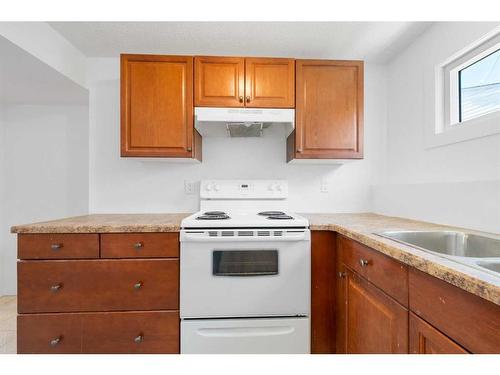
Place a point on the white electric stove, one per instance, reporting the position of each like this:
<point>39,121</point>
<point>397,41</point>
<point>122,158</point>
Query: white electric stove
<point>245,271</point>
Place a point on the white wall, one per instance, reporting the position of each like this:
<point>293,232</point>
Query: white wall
<point>44,174</point>
<point>456,184</point>
<point>128,185</point>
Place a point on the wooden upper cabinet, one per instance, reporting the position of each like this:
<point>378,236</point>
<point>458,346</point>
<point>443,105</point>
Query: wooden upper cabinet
<point>219,81</point>
<point>269,83</point>
<point>329,110</point>
<point>157,106</point>
<point>244,82</point>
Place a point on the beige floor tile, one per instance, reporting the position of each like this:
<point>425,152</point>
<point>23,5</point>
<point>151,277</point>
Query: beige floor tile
<point>8,342</point>
<point>8,321</point>
<point>7,303</point>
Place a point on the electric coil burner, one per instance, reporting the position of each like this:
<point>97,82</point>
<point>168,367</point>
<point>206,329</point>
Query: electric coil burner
<point>245,271</point>
<point>213,215</point>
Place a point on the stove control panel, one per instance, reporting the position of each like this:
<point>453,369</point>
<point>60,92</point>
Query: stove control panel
<point>244,189</point>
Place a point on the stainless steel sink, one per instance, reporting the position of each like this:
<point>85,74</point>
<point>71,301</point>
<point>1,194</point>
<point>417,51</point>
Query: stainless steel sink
<point>493,266</point>
<point>449,243</point>
<point>470,249</point>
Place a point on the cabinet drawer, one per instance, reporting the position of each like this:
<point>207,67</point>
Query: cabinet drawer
<point>57,246</point>
<point>140,245</point>
<point>98,285</point>
<point>388,274</point>
<point>118,332</point>
<point>469,320</point>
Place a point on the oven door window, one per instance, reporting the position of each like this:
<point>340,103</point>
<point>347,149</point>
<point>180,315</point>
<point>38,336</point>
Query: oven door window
<point>245,262</point>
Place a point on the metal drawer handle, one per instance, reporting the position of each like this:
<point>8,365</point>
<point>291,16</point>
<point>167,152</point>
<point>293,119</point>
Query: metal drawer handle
<point>342,275</point>
<point>138,245</point>
<point>364,262</point>
<point>139,339</point>
<point>56,287</point>
<point>138,285</point>
<point>55,341</point>
<point>56,246</point>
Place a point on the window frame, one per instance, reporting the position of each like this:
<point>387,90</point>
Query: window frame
<point>447,128</point>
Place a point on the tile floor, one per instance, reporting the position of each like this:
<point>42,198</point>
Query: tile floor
<point>8,312</point>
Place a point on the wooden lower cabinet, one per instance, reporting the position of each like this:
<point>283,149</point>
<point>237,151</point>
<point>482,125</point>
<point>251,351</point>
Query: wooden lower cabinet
<point>116,332</point>
<point>374,322</point>
<point>425,339</point>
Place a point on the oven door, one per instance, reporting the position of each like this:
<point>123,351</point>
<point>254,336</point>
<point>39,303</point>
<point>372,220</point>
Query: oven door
<point>244,276</point>
<point>245,336</point>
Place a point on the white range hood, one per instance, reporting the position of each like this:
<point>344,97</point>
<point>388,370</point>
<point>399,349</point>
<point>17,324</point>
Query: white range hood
<point>241,122</point>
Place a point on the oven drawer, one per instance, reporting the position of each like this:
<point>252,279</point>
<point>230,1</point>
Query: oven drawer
<point>97,285</point>
<point>140,245</point>
<point>245,336</point>
<point>116,332</point>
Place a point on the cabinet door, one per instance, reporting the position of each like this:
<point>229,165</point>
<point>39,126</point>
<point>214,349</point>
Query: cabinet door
<point>425,339</point>
<point>329,109</point>
<point>269,83</point>
<point>156,106</point>
<point>219,81</point>
<point>375,323</point>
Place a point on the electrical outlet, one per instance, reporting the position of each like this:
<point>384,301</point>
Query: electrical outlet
<point>323,186</point>
<point>189,187</point>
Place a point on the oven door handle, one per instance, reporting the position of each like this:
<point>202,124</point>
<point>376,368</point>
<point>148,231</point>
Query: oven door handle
<point>245,331</point>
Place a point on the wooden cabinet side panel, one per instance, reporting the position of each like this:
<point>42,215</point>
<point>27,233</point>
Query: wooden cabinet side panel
<point>322,292</point>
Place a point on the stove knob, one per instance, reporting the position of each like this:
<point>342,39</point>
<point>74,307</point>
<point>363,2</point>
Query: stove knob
<point>271,187</point>
<point>208,187</point>
<point>216,187</point>
<point>278,187</point>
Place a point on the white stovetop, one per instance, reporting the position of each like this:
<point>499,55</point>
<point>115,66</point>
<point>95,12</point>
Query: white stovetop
<point>244,219</point>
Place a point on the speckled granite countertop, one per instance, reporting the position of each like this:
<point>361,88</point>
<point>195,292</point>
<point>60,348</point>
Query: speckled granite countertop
<point>107,223</point>
<point>359,226</point>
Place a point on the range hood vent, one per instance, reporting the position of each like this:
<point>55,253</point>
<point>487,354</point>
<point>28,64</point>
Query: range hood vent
<point>241,122</point>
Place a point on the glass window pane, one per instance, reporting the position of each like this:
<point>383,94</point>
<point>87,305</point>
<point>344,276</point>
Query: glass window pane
<point>480,87</point>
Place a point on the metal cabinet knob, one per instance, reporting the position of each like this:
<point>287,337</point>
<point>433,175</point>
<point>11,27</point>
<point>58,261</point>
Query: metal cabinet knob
<point>56,287</point>
<point>138,285</point>
<point>189,149</point>
<point>138,339</point>
<point>342,275</point>
<point>299,150</point>
<point>241,99</point>
<point>363,262</point>
<point>56,246</point>
<point>248,99</point>
<point>55,341</point>
<point>138,245</point>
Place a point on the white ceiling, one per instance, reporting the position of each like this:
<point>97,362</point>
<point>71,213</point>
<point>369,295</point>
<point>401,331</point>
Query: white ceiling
<point>376,42</point>
<point>26,80</point>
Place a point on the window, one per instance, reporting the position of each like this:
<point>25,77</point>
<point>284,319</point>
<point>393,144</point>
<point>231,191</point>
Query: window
<point>480,87</point>
<point>467,89</point>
